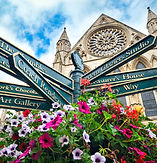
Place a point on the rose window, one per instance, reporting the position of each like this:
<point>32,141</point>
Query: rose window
<point>106,42</point>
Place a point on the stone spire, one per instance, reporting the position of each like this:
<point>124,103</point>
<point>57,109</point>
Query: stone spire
<point>63,43</point>
<point>64,35</point>
<point>63,47</point>
<point>152,22</point>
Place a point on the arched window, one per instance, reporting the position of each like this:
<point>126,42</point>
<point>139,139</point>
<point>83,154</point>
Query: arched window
<point>148,97</point>
<point>123,98</point>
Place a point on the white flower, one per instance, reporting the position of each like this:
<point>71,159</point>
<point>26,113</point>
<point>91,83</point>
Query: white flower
<point>77,154</point>
<point>22,132</point>
<point>43,128</point>
<point>20,118</point>
<point>68,108</point>
<point>97,157</point>
<point>60,113</point>
<point>91,101</point>
<point>122,110</point>
<point>55,105</point>
<point>64,140</point>
<point>45,116</point>
<point>151,134</point>
<point>14,122</point>
<point>73,129</point>
<point>86,137</point>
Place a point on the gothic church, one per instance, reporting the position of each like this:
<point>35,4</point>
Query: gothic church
<point>104,39</point>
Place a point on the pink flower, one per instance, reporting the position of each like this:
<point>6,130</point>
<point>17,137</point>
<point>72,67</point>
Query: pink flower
<point>127,132</point>
<point>32,143</point>
<point>46,141</point>
<point>76,121</point>
<point>117,128</point>
<point>150,161</point>
<point>16,161</point>
<point>102,108</point>
<point>133,126</point>
<point>35,155</point>
<point>54,123</point>
<point>25,153</point>
<point>83,107</point>
<point>138,151</point>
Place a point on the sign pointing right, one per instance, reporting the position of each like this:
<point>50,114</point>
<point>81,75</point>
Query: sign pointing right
<point>120,59</point>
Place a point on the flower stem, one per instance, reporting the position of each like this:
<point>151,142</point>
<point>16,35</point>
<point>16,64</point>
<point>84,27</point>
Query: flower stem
<point>123,123</point>
<point>98,127</point>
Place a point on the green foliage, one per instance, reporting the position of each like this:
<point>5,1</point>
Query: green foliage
<point>111,132</point>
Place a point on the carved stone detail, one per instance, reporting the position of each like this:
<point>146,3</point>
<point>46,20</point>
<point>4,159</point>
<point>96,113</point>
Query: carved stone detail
<point>106,42</point>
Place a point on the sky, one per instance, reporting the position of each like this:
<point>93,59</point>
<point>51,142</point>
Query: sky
<point>36,25</point>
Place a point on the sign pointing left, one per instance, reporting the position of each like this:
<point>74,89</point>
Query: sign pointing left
<point>37,81</point>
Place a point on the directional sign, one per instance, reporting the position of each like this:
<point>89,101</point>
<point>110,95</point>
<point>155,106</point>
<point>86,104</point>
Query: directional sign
<point>48,72</point>
<point>134,86</point>
<point>18,90</point>
<point>38,82</point>
<point>120,59</point>
<point>16,102</point>
<point>5,65</point>
<point>122,77</point>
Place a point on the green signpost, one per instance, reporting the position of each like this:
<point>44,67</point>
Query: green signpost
<point>9,49</point>
<point>120,59</point>
<point>132,86</point>
<point>48,86</point>
<point>21,102</point>
<point>118,78</point>
<point>37,81</point>
<point>18,90</point>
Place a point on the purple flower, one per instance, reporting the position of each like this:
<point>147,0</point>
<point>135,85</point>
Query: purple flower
<point>55,105</point>
<point>86,137</point>
<point>60,113</point>
<point>20,118</point>
<point>44,116</point>
<point>77,154</point>
<point>64,140</point>
<point>151,134</point>
<point>73,129</point>
<point>91,101</point>
<point>43,128</point>
<point>68,107</point>
<point>97,157</point>
<point>14,122</point>
<point>22,132</point>
<point>12,147</point>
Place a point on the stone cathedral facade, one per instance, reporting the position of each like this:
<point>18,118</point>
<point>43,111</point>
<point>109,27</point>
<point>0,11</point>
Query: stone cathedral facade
<point>104,39</point>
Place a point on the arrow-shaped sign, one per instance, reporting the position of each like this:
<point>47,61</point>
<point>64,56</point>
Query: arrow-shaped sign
<point>51,92</point>
<point>123,77</point>
<point>18,90</point>
<point>47,71</point>
<point>120,59</point>
<point>133,87</point>
<point>21,102</point>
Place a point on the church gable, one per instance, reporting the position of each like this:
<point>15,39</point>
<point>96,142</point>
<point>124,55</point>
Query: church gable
<point>105,38</point>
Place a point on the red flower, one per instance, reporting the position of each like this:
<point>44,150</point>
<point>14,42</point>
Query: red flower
<point>15,137</point>
<point>35,155</point>
<point>107,87</point>
<point>123,161</point>
<point>26,113</point>
<point>46,141</point>
<point>23,146</point>
<point>19,125</point>
<point>83,107</point>
<point>76,121</point>
<point>132,113</point>
<point>101,109</point>
<point>116,106</point>
<point>127,132</point>
<point>54,123</point>
<point>2,146</point>
<point>85,82</point>
<point>114,116</point>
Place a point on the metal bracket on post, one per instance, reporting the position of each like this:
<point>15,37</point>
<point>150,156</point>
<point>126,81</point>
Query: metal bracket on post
<point>77,74</point>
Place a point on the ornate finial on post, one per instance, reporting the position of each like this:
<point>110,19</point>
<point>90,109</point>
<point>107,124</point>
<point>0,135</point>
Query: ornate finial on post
<point>77,73</point>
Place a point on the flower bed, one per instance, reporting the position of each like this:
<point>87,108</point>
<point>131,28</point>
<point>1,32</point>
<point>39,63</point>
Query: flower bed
<point>95,129</point>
